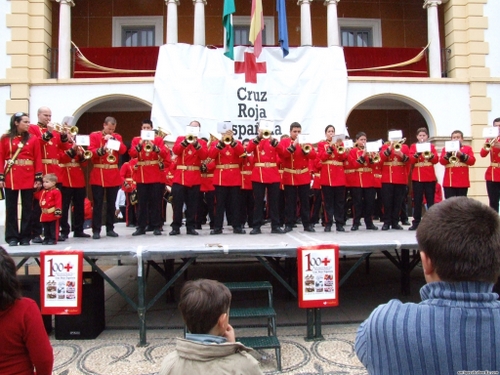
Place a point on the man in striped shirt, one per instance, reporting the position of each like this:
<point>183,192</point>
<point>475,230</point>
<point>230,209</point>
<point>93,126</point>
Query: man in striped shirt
<point>456,327</point>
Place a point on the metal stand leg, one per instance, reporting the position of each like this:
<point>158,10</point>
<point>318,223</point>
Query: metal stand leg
<point>314,325</point>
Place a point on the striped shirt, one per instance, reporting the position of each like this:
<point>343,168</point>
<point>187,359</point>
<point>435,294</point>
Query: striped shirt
<point>455,328</point>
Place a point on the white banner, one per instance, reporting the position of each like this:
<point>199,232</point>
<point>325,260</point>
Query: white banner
<point>309,86</point>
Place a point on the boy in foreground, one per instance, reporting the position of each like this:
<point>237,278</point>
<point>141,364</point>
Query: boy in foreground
<point>210,347</point>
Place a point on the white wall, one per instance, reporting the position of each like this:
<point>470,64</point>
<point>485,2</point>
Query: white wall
<point>492,36</point>
<point>5,36</point>
<point>494,94</point>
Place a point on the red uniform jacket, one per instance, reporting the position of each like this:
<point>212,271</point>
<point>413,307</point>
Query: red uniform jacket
<point>150,165</point>
<point>332,165</point>
<point>104,173</point>
<point>362,168</point>
<point>457,174</point>
<point>295,163</point>
<point>127,176</point>
<point>189,159</point>
<point>266,161</point>
<point>71,170</point>
<point>207,177</point>
<point>50,146</point>
<point>51,204</point>
<point>423,169</point>
<point>28,163</point>
<point>493,171</point>
<point>377,175</point>
<point>315,169</point>
<point>227,163</point>
<point>394,168</point>
<point>246,172</point>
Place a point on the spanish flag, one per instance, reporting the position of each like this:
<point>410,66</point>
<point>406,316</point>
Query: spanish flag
<point>256,27</point>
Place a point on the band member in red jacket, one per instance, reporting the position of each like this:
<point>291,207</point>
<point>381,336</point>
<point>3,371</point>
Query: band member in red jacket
<point>296,177</point>
<point>105,176</point>
<point>206,201</point>
<point>265,176</point>
<point>362,189</point>
<point>394,156</point>
<point>73,190</point>
<point>492,174</point>
<point>423,176</point>
<point>51,143</point>
<point>333,179</point>
<point>152,157</point>
<point>51,204</point>
<point>187,180</point>
<point>246,192</point>
<point>456,175</point>
<point>130,189</point>
<point>227,154</point>
<point>20,157</point>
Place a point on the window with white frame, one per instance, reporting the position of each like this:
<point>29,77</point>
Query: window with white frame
<point>360,32</point>
<point>137,31</point>
<point>241,26</point>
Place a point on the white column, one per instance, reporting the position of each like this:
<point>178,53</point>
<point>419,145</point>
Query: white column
<point>199,22</point>
<point>305,22</point>
<point>332,22</point>
<point>172,36</point>
<point>433,38</point>
<point>64,53</point>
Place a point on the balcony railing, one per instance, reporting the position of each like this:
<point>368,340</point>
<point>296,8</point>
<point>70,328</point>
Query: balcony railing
<point>141,62</point>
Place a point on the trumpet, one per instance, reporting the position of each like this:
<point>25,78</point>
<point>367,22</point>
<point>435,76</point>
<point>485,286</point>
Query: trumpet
<point>427,154</point>
<point>266,133</point>
<point>375,157</point>
<point>162,132</point>
<point>453,158</point>
<point>86,153</point>
<point>490,143</point>
<point>397,146</point>
<point>227,139</point>
<point>340,150</point>
<point>190,138</point>
<point>306,148</point>
<point>73,130</point>
<point>110,158</point>
<point>148,147</point>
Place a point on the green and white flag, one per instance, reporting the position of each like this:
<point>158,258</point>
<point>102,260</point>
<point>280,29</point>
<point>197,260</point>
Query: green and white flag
<point>227,21</point>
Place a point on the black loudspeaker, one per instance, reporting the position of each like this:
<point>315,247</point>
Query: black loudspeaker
<point>91,322</point>
<point>30,288</point>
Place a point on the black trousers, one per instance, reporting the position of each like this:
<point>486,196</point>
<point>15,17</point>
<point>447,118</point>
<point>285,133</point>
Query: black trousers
<point>227,197</point>
<point>49,230</point>
<point>185,194</point>
<point>455,192</point>
<point>36,226</point>
<point>206,206</point>
<point>334,201</point>
<point>291,194</point>
<point>149,198</point>
<point>98,193</point>
<point>392,196</point>
<point>247,207</point>
<point>77,197</point>
<point>493,189</point>
<point>130,211</point>
<point>363,201</point>
<point>259,191</point>
<point>12,232</point>
<point>315,203</point>
<point>419,189</point>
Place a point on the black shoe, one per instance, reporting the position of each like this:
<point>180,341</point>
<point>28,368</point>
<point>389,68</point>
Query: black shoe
<point>328,228</point>
<point>398,227</point>
<point>413,227</point>
<point>277,230</point>
<point>255,230</point>
<point>309,228</point>
<point>340,228</point>
<point>111,233</point>
<point>81,234</point>
<point>139,232</point>
<point>405,222</point>
<point>13,243</point>
<point>192,232</point>
<point>371,227</point>
<point>96,236</point>
<point>62,237</point>
<point>45,242</point>
<point>157,232</point>
<point>149,228</point>
<point>174,232</point>
<point>288,228</point>
<point>198,226</point>
<point>51,242</point>
<point>239,231</point>
<point>385,227</point>
<point>354,227</point>
<point>37,239</point>
<point>216,231</point>
<point>25,242</point>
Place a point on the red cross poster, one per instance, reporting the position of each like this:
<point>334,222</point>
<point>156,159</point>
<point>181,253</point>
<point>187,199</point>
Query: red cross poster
<point>318,275</point>
<point>61,282</point>
<point>199,83</point>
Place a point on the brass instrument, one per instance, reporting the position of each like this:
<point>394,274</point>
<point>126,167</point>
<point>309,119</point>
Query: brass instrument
<point>427,154</point>
<point>399,144</point>
<point>148,147</point>
<point>306,148</point>
<point>73,130</point>
<point>490,143</point>
<point>266,133</point>
<point>340,150</point>
<point>453,158</point>
<point>111,158</point>
<point>190,138</point>
<point>227,139</point>
<point>86,153</point>
<point>162,133</point>
<point>213,138</point>
<point>375,157</point>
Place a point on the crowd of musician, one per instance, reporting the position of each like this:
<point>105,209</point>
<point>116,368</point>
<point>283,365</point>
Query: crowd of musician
<point>286,182</point>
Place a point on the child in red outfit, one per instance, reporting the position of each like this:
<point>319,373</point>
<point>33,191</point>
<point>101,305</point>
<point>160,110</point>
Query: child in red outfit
<point>51,203</point>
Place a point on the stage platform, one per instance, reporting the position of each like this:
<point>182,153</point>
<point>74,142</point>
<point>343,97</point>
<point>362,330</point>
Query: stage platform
<point>171,256</point>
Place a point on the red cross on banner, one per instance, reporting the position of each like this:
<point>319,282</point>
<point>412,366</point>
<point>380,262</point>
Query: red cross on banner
<point>250,67</point>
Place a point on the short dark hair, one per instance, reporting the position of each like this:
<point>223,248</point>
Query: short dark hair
<point>496,120</point>
<point>202,302</point>
<point>461,237</point>
<point>328,127</point>
<point>360,134</point>
<point>245,140</point>
<point>295,125</point>
<point>110,119</point>
<point>423,130</point>
<point>147,121</point>
<point>457,132</point>
<point>9,285</point>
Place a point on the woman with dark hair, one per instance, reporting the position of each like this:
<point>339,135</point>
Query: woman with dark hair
<point>24,346</point>
<point>20,171</point>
